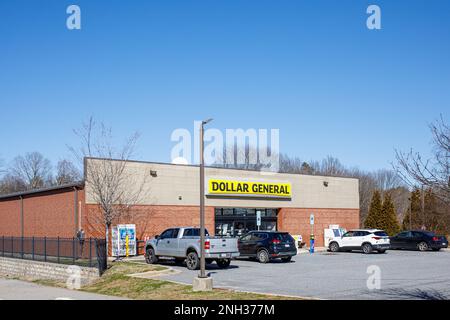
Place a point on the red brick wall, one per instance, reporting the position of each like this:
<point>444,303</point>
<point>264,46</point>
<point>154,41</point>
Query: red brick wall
<point>153,220</point>
<point>296,221</point>
<point>10,218</point>
<point>48,214</point>
<point>52,215</point>
<point>150,220</point>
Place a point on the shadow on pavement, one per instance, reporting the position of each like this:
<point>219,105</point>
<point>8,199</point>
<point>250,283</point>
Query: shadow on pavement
<point>416,294</point>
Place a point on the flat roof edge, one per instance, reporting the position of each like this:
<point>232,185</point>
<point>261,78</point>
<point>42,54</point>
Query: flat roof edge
<point>42,190</point>
<point>217,167</point>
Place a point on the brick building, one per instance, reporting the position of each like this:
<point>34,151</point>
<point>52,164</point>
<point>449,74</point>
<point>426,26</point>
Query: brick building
<point>234,200</point>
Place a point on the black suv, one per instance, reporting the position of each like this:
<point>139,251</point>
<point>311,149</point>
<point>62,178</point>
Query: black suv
<point>267,245</point>
<point>418,240</point>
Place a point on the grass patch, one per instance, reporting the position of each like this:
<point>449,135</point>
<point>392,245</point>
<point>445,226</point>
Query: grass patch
<point>116,282</point>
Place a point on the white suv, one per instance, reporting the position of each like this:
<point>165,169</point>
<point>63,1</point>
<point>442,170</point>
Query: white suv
<point>366,240</point>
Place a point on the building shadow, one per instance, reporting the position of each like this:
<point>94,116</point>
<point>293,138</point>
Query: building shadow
<point>415,294</point>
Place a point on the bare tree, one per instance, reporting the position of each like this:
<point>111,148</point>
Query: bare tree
<point>66,173</point>
<point>245,158</point>
<point>33,169</point>
<point>433,173</point>
<point>387,179</point>
<point>107,176</point>
<point>11,184</point>
<point>331,166</point>
<point>367,186</point>
<point>295,165</point>
<point>2,167</point>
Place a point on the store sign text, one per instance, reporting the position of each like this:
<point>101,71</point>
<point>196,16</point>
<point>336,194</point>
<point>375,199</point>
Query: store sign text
<point>249,188</point>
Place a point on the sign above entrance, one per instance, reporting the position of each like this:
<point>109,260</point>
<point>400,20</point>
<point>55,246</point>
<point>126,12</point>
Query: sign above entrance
<point>220,187</point>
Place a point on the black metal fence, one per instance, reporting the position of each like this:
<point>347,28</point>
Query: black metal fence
<point>90,252</point>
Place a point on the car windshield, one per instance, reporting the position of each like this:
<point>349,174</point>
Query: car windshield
<point>380,234</point>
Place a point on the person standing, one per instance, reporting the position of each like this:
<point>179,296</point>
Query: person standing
<point>81,238</point>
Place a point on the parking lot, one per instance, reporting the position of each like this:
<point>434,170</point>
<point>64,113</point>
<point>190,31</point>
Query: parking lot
<point>342,276</point>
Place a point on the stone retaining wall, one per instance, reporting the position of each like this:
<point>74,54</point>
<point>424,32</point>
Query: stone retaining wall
<point>37,270</point>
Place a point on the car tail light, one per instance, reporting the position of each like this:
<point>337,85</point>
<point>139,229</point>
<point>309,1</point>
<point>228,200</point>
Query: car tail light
<point>207,245</point>
<point>435,239</point>
<point>275,241</point>
<point>376,238</point>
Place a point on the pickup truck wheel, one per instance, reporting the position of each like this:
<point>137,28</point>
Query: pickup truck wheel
<point>334,247</point>
<point>367,248</point>
<point>262,256</point>
<point>223,263</point>
<point>150,257</point>
<point>192,261</point>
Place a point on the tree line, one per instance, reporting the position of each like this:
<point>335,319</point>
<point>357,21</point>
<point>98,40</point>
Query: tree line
<point>414,193</point>
<point>33,171</point>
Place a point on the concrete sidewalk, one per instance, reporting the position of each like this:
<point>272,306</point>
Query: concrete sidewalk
<point>22,290</point>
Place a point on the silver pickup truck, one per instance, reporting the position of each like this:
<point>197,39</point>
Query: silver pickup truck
<point>184,244</point>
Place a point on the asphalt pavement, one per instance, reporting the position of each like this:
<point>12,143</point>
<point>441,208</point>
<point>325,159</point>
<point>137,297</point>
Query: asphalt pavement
<point>341,276</point>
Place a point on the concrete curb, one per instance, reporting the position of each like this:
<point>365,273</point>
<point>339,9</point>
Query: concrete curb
<point>154,274</point>
<point>316,250</point>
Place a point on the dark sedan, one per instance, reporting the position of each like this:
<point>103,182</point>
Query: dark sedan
<point>418,240</point>
<point>267,245</point>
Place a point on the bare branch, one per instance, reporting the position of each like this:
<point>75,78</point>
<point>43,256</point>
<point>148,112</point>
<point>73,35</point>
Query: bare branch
<point>108,174</point>
<point>432,173</point>
<point>33,169</point>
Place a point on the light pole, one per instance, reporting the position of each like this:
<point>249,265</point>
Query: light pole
<point>410,213</point>
<point>202,274</point>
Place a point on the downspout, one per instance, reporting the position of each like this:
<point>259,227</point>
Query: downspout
<point>22,227</point>
<point>75,208</point>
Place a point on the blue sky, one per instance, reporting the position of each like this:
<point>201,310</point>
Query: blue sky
<point>310,68</point>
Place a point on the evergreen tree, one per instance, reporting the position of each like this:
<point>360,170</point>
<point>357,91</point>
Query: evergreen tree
<point>373,219</point>
<point>414,212</point>
<point>389,222</point>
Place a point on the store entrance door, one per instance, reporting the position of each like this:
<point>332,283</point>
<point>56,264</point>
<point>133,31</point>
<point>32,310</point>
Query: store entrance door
<point>235,222</point>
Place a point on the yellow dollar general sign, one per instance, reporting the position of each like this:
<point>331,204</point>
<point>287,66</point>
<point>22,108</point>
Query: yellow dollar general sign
<point>249,188</point>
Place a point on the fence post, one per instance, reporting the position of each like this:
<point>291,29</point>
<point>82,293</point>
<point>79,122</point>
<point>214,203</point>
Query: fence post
<point>90,252</point>
<point>73,250</point>
<point>58,248</point>
<point>45,249</point>
<point>32,248</point>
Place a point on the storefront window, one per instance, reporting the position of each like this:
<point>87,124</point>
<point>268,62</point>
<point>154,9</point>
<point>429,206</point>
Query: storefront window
<point>227,212</point>
<point>268,225</point>
<point>235,222</point>
<point>271,212</point>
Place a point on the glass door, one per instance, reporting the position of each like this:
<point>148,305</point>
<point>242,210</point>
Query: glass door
<point>239,228</point>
